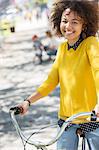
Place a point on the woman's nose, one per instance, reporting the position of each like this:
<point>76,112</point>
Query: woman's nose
<point>68,25</point>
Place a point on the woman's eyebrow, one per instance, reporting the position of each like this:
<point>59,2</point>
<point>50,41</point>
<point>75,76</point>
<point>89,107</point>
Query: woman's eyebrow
<point>74,19</point>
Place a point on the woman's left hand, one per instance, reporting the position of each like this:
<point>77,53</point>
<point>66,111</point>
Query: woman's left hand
<point>97,110</point>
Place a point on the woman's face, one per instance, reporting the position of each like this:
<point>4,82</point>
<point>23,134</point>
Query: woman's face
<point>71,26</point>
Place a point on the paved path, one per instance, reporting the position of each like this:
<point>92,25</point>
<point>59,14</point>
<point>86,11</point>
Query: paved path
<point>19,78</point>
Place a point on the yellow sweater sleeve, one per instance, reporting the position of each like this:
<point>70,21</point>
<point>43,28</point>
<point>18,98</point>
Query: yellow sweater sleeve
<point>93,55</point>
<point>53,78</point>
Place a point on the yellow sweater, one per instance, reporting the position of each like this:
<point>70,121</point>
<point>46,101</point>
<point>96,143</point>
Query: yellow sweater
<point>77,72</point>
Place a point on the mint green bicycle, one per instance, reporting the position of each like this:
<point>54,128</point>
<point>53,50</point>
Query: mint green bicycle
<point>41,145</point>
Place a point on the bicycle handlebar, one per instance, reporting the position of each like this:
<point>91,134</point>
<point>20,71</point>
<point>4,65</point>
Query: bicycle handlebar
<point>17,110</point>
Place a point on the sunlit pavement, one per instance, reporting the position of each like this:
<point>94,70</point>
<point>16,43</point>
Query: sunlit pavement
<point>19,77</point>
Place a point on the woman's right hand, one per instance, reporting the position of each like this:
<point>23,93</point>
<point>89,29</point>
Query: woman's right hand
<point>25,106</point>
<point>26,103</point>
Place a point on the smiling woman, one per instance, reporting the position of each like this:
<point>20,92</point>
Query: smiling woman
<point>71,26</point>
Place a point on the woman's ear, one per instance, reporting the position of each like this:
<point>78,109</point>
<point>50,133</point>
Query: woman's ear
<point>84,27</point>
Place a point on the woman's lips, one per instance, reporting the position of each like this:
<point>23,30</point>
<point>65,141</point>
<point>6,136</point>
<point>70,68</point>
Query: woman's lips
<point>69,32</point>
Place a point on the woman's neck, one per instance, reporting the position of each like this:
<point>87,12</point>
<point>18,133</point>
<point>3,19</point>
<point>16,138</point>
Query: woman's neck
<point>72,42</point>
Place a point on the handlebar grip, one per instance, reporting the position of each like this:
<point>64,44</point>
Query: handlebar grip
<point>17,110</point>
<point>93,116</point>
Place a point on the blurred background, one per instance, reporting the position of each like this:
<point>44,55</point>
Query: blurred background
<point>24,64</point>
<point>15,12</point>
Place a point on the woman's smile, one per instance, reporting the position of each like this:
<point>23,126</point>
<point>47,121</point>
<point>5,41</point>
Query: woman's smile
<point>69,32</point>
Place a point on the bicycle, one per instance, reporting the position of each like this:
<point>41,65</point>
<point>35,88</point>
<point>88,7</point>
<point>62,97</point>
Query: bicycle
<point>84,127</point>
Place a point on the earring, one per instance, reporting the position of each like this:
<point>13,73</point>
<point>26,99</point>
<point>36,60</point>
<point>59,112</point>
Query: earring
<point>83,35</point>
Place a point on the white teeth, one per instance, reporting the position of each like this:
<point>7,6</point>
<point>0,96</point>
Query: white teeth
<point>69,32</point>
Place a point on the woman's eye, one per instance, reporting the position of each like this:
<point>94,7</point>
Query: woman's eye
<point>64,21</point>
<point>74,22</point>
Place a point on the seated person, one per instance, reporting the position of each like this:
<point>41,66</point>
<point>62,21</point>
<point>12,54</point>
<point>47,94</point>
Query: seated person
<point>50,43</point>
<point>36,42</point>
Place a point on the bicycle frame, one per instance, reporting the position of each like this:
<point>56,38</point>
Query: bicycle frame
<point>40,145</point>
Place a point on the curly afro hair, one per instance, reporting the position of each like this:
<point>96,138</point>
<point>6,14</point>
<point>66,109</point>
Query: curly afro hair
<point>87,10</point>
